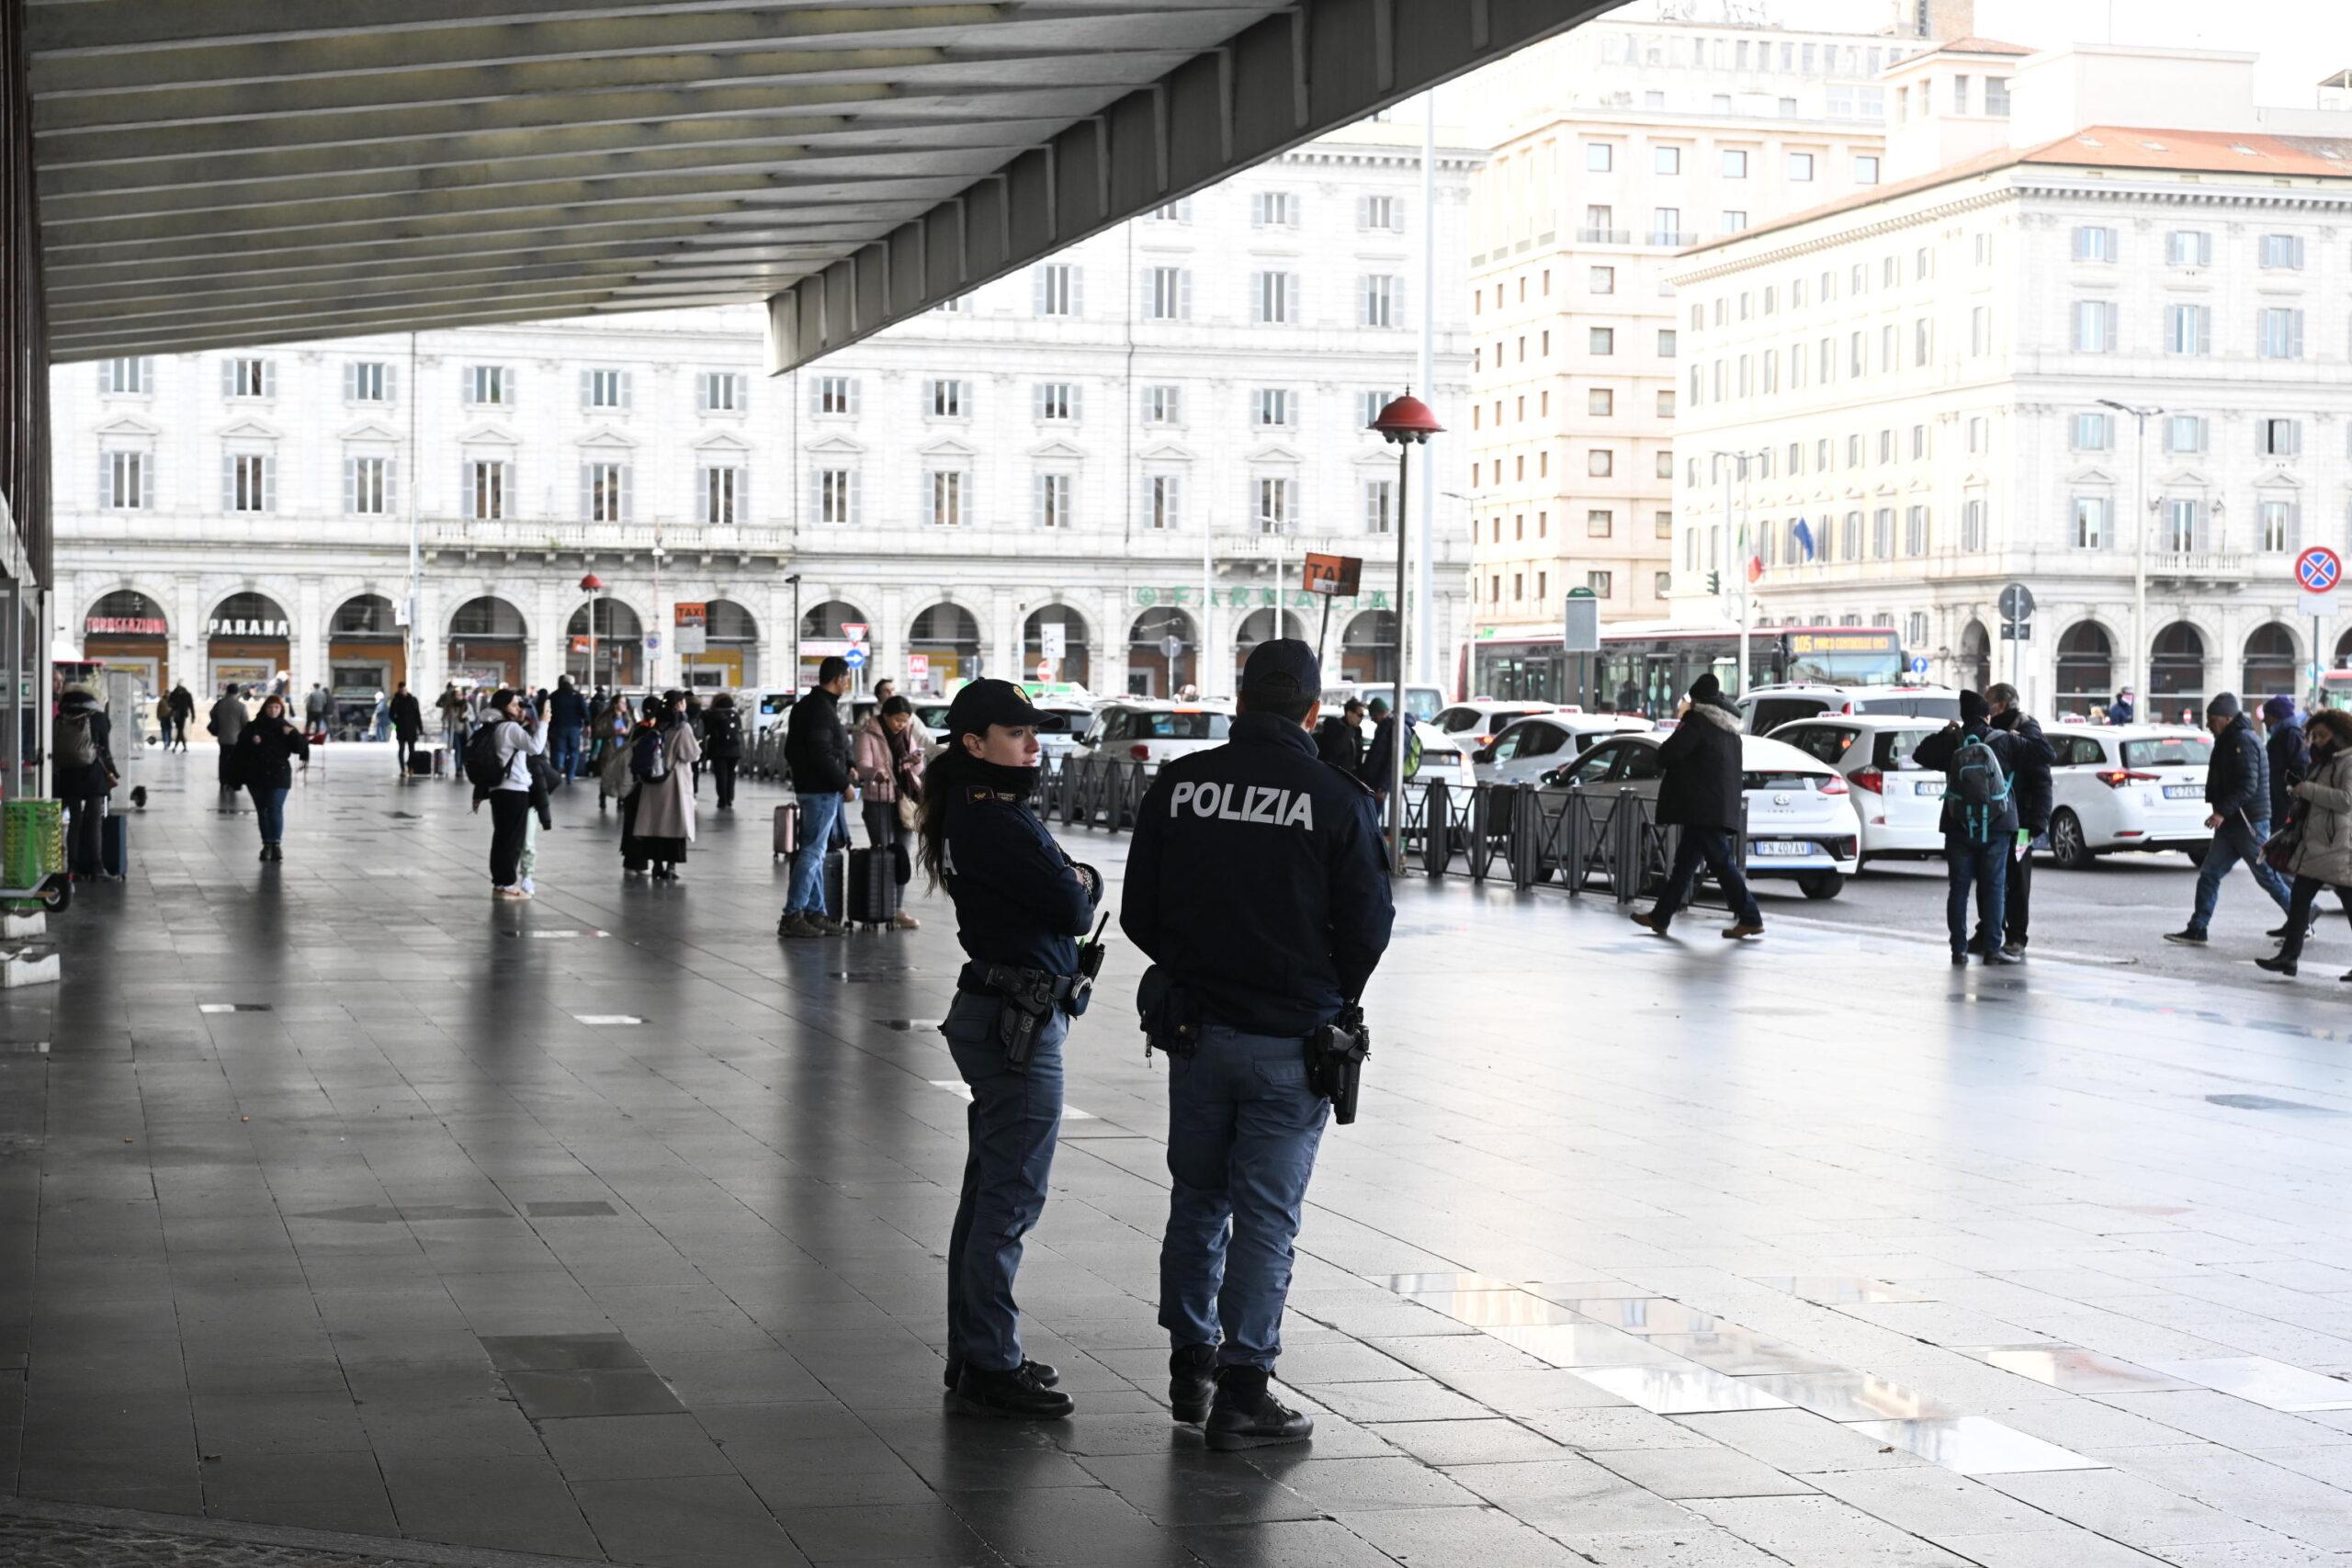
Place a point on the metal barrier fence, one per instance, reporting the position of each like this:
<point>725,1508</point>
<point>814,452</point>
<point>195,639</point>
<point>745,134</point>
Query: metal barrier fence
<point>1576,837</point>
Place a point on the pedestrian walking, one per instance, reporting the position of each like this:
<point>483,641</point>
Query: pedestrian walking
<point>183,713</point>
<point>816,754</point>
<point>2286,752</point>
<point>2314,844</point>
<point>2237,790</point>
<point>455,714</point>
<point>1699,791</point>
<point>1021,906</point>
<point>692,711</point>
<point>2033,791</point>
<point>1339,740</point>
<point>264,758</point>
<point>663,763</point>
<point>1258,886</point>
<point>1980,765</point>
<point>1375,765</point>
<point>888,762</point>
<point>226,722</point>
<point>408,727</point>
<point>568,715</point>
<point>82,774</point>
<point>318,712</point>
<point>722,745</point>
<point>498,764</point>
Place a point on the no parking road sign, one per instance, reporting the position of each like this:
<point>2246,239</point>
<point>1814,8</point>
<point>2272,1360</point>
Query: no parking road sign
<point>2318,570</point>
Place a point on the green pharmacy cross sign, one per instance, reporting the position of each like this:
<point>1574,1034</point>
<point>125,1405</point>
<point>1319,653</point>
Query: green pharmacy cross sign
<point>1245,598</point>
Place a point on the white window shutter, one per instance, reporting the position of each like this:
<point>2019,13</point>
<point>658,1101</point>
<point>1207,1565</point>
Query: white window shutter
<point>270,377</point>
<point>391,383</point>
<point>816,394</point>
<point>2294,334</point>
<point>1184,293</point>
<point>628,390</point>
<point>701,392</point>
<point>1290,298</point>
<point>1037,401</point>
<point>106,375</point>
<point>743,495</point>
<point>1397,214</point>
<point>587,493</point>
<point>467,505</point>
<point>1077,401</point>
<point>1042,291</point>
<point>228,482</point>
<point>628,489</point>
<point>391,485</point>
<point>856,498</point>
<point>106,479</point>
<point>1077,290</point>
<point>1396,309</point>
<point>350,485</point>
<point>228,378</point>
<point>1257,296</point>
<point>269,484</point>
<point>742,394</point>
<point>350,381</point>
<point>587,388</point>
<point>1258,210</point>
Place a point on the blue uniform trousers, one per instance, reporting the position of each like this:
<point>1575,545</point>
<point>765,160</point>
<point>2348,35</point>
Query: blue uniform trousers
<point>1014,1119</point>
<point>1242,1131</point>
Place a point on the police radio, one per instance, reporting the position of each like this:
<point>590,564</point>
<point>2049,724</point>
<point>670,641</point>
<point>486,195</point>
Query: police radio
<point>1090,964</point>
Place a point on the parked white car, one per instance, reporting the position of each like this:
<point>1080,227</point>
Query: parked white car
<point>1765,709</point>
<point>1899,804</point>
<point>2134,786</point>
<point>1475,723</point>
<point>1141,729</point>
<point>1800,819</point>
<point>1535,745</point>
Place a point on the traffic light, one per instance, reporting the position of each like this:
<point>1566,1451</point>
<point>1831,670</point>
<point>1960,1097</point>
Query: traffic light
<point>1715,584</point>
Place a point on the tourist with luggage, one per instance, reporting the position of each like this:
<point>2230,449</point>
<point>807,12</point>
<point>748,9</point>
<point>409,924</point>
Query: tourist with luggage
<point>1022,906</point>
<point>498,764</point>
<point>817,757</point>
<point>888,765</point>
<point>2314,844</point>
<point>408,728</point>
<point>264,761</point>
<point>82,774</point>
<point>722,745</point>
<point>663,762</point>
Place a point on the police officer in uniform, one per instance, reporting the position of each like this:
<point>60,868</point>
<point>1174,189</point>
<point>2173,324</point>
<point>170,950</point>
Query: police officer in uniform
<point>1257,885</point>
<point>1020,906</point>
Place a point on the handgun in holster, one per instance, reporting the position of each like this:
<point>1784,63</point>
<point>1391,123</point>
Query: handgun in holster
<point>1335,1057</point>
<point>1029,998</point>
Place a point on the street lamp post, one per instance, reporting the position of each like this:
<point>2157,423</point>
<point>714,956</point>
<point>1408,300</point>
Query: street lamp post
<point>2139,662</point>
<point>1405,423</point>
<point>1730,461</point>
<point>590,585</point>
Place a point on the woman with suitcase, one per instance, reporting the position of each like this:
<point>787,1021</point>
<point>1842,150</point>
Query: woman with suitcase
<point>1020,906</point>
<point>264,757</point>
<point>887,760</point>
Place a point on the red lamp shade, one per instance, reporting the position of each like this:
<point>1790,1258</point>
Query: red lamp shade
<point>590,583</point>
<point>1408,419</point>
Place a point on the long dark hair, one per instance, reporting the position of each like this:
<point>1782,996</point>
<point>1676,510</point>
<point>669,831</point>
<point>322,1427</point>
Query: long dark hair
<point>2336,725</point>
<point>944,779</point>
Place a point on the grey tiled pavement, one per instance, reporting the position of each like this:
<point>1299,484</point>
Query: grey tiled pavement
<point>1813,1251</point>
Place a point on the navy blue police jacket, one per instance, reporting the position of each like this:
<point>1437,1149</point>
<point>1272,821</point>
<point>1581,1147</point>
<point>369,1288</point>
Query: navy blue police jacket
<point>1019,900</point>
<point>1257,877</point>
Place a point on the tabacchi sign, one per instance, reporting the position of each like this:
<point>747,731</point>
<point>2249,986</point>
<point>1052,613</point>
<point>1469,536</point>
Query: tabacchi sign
<point>122,626</point>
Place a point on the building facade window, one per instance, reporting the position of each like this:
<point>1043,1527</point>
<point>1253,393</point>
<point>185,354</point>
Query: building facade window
<point>1274,408</point>
<point>2184,433</point>
<point>949,494</point>
<point>483,486</point>
<point>126,481</point>
<point>2278,437</point>
<point>2280,525</point>
<point>721,392</point>
<point>2188,329</point>
<point>1601,463</point>
<point>606,390</point>
<point>947,398</point>
<point>1602,583</point>
<point>1055,401</point>
<point>2282,253</point>
<point>1602,339</point>
<point>248,482</point>
<point>2093,432</point>
<point>368,488</point>
<point>837,496</point>
<point>2188,247</point>
<point>1059,289</point>
<point>248,377</point>
<point>1169,293</point>
<point>1053,501</point>
<point>1274,210</point>
<point>2094,243</point>
<point>1599,522</point>
<point>2090,522</point>
<point>1164,500</point>
<point>1274,502</point>
<point>720,489</point>
<point>1866,168</point>
<point>2278,333</point>
<point>1163,404</point>
<point>1380,506</point>
<point>132,376</point>
<point>489,386</point>
<point>367,381</point>
<point>1380,302</point>
<point>837,394</point>
<point>604,492</point>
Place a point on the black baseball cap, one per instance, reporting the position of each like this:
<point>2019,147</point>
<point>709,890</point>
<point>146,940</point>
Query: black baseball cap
<point>984,702</point>
<point>1281,669</point>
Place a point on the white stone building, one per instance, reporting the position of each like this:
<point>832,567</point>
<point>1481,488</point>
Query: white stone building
<point>1924,371</point>
<point>1630,139</point>
<point>1135,442</point>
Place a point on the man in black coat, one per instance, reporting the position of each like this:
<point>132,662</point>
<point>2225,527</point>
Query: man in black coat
<point>1340,740</point>
<point>1699,792</point>
<point>408,725</point>
<point>2237,787</point>
<point>816,755</point>
<point>1980,840</point>
<point>2286,752</point>
<point>2032,792</point>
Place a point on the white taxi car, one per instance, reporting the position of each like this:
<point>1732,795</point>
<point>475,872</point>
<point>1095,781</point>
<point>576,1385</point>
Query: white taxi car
<point>2134,786</point>
<point>1475,724</point>
<point>1899,803</point>
<point>1764,709</point>
<point>1535,745</point>
<point>1801,818</point>
<point>1141,729</point>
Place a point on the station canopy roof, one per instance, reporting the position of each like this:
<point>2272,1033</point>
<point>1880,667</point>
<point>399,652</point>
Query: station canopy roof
<point>224,172</point>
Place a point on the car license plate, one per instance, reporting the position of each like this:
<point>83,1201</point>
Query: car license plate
<point>2182,791</point>
<point>1931,788</point>
<point>1782,847</point>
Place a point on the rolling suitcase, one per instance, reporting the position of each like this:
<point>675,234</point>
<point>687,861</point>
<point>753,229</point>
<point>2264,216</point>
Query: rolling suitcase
<point>836,879</point>
<point>872,890</point>
<point>114,847</point>
<point>420,762</point>
<point>787,830</point>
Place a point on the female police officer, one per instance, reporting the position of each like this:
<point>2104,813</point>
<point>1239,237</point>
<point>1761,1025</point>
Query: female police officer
<point>1021,906</point>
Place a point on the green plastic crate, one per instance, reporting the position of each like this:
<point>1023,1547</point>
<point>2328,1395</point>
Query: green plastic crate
<point>33,841</point>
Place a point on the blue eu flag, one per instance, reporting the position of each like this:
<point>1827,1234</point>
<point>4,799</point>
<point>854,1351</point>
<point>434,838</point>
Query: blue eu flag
<point>1804,535</point>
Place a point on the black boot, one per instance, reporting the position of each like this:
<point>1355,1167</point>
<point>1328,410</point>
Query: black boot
<point>1045,1373</point>
<point>1015,1395</point>
<point>2279,962</point>
<point>1192,1381</point>
<point>1246,1415</point>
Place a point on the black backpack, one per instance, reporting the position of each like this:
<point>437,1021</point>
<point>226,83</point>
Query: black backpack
<point>485,769</point>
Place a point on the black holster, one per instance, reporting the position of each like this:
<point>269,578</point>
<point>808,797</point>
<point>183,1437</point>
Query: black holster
<point>1170,1013</point>
<point>1335,1058</point>
<point>1028,998</point>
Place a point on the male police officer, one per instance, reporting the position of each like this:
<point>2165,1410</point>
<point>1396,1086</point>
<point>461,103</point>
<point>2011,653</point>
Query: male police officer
<point>1257,885</point>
